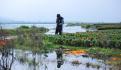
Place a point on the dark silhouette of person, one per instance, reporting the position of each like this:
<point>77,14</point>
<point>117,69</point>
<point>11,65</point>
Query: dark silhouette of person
<point>59,26</point>
<point>59,53</point>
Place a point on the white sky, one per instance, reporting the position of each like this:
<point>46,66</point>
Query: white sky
<point>71,10</point>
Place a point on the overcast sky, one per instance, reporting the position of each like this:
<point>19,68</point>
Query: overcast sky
<point>71,10</point>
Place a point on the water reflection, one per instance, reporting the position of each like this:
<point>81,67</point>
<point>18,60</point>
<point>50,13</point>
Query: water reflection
<point>6,57</point>
<point>27,60</point>
<point>59,53</point>
<point>33,63</point>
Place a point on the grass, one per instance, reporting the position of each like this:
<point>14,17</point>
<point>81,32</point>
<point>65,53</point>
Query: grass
<point>51,46</point>
<point>91,50</point>
<point>108,26</point>
<point>109,39</point>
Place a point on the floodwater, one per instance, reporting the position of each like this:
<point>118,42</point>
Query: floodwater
<point>51,27</point>
<point>27,60</point>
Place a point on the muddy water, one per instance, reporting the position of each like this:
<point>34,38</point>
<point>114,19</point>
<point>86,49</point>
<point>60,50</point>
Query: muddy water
<point>26,60</point>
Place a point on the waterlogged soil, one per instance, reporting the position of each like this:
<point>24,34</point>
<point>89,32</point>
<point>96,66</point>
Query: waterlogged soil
<point>72,60</point>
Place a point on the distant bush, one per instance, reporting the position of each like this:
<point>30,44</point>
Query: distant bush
<point>73,24</point>
<point>23,27</point>
<point>107,26</point>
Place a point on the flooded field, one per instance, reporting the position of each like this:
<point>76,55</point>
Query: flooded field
<point>14,54</point>
<point>27,60</point>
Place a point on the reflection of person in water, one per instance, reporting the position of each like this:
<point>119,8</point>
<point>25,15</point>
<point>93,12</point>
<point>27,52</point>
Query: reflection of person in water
<point>60,22</point>
<point>59,53</point>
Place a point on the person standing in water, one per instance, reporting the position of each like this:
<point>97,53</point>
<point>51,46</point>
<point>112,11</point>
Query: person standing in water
<point>59,26</point>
